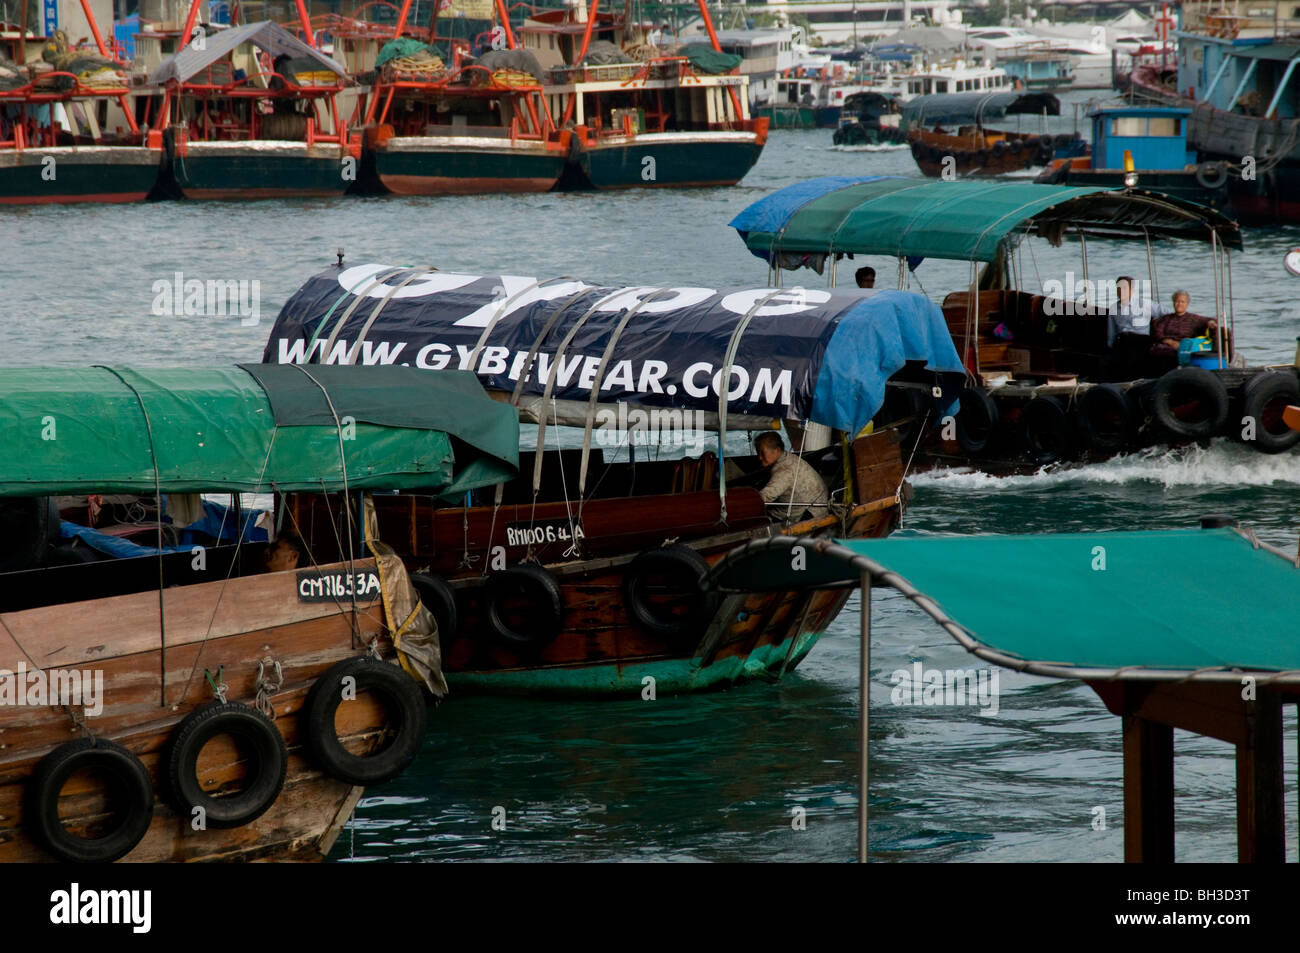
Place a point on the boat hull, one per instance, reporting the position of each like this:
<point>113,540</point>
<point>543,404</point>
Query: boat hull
<point>260,170</point>
<point>670,160</point>
<point>464,165</point>
<point>67,174</point>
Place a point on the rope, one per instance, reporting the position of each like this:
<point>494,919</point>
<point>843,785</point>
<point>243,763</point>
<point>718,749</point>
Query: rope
<point>267,687</point>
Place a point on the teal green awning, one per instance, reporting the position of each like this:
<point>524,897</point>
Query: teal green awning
<point>1267,51</point>
<point>964,220</point>
<point>250,429</point>
<point>1074,605</point>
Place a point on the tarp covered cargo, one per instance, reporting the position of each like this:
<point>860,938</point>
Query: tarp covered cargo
<point>250,428</point>
<point>957,108</point>
<point>807,354</point>
<point>1101,605</point>
<point>194,57</point>
<point>960,220</point>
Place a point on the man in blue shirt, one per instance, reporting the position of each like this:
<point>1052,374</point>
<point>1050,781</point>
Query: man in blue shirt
<point>1128,332</point>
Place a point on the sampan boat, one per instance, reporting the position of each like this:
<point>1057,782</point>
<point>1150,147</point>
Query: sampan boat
<point>1045,384</point>
<point>584,576</point>
<point>167,692</point>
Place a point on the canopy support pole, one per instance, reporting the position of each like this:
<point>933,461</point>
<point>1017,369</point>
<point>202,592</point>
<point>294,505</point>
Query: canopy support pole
<point>1218,288</point>
<point>864,677</point>
<point>1261,821</point>
<point>1148,791</point>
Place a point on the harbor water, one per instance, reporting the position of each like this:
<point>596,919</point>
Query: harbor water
<point>761,771</point>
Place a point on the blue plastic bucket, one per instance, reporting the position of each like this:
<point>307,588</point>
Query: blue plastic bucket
<point>1208,359</point>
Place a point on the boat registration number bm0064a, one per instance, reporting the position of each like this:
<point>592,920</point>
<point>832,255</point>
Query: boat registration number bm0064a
<point>537,534</point>
<point>316,585</point>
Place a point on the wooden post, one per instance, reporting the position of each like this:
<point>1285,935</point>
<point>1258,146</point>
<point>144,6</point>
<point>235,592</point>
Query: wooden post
<point>1148,791</point>
<point>1261,823</point>
<point>864,685</point>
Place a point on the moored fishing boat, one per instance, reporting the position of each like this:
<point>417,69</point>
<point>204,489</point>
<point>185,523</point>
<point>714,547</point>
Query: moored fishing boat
<point>583,576</point>
<point>974,149</point>
<point>67,130</point>
<point>474,127</point>
<point>1051,379</point>
<point>646,120</point>
<point>236,123</point>
<point>1147,145</point>
<point>174,685</point>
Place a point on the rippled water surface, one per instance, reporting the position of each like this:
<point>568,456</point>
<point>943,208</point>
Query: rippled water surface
<point>717,776</point>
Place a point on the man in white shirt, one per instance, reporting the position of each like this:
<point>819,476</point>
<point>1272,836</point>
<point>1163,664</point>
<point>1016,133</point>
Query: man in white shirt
<point>793,487</point>
<point>1128,332</point>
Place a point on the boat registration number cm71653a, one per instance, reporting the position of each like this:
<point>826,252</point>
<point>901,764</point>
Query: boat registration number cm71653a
<point>321,585</point>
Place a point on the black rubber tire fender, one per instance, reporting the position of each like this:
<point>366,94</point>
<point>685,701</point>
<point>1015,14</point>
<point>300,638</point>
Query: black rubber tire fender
<point>440,599</point>
<point>691,567</point>
<point>538,586</point>
<point>267,753</point>
<point>1044,430</point>
<point>1190,383</point>
<point>1211,175</point>
<point>129,779</point>
<point>1000,147</point>
<point>1104,419</point>
<point>400,695</point>
<point>1062,140</point>
<point>899,404</point>
<point>977,418</point>
<point>1263,398</point>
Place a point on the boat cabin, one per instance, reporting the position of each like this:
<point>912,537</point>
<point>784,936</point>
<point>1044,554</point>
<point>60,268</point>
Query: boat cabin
<point>1155,137</point>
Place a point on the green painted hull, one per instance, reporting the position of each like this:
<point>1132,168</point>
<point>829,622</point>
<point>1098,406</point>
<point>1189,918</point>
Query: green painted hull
<point>789,117</point>
<point>670,160</point>
<point>259,170</point>
<point>671,676</point>
<point>84,174</point>
<point>408,169</point>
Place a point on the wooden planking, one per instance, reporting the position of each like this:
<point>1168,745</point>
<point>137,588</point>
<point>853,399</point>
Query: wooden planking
<point>78,632</point>
<point>1261,819</point>
<point>1148,791</point>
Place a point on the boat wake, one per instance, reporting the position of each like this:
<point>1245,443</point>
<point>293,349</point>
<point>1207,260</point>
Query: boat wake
<point>875,147</point>
<point>1223,463</point>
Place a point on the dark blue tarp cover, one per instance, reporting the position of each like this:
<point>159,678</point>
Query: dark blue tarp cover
<point>808,354</point>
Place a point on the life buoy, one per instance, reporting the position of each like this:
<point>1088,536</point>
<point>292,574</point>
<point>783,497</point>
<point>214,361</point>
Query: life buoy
<point>1190,386</point>
<point>132,797</point>
<point>663,595</point>
<point>1044,430</point>
<point>1104,418</point>
<point>1263,399</point>
<point>977,418</point>
<point>440,599</point>
<point>1212,175</point>
<point>401,697</point>
<point>263,750</point>
<point>543,605</point>
<point>902,403</point>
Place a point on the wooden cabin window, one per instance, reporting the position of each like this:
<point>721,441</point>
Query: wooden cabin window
<point>1164,126</point>
<point>1128,126</point>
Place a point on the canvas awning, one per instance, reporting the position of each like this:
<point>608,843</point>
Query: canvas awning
<point>807,354</point>
<point>268,36</point>
<point>1159,605</point>
<point>251,428</point>
<point>957,108</point>
<point>964,220</point>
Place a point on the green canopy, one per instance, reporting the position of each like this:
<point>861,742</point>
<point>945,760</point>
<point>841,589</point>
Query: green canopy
<point>964,220</point>
<point>1072,605</point>
<point>251,428</point>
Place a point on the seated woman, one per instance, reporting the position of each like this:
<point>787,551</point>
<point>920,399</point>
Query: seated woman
<point>1168,331</point>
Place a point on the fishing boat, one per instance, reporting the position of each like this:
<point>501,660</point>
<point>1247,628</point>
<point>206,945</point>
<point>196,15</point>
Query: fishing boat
<point>1147,145</point>
<point>1161,652</point>
<point>67,130</point>
<point>870,119</point>
<point>250,112</point>
<point>1236,72</point>
<point>174,685</point>
<point>948,135</point>
<point>468,127</point>
<point>582,577</point>
<point>640,118</point>
<point>1046,385</point>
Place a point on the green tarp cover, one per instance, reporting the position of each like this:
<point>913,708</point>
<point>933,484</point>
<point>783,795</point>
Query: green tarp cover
<point>1175,599</point>
<point>705,59</point>
<point>100,430</point>
<point>960,220</point>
